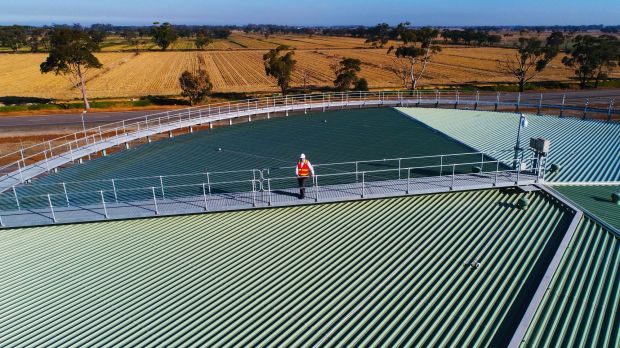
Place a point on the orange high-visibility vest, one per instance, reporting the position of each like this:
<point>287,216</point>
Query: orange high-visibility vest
<point>302,168</point>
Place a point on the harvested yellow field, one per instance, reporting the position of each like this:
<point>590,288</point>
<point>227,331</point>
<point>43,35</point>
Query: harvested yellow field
<point>250,42</point>
<point>20,75</point>
<point>129,74</point>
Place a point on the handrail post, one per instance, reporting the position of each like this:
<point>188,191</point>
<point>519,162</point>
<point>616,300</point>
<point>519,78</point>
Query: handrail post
<point>363,184</point>
<point>399,168</point>
<point>209,183</point>
<point>155,200</point>
<point>47,166</point>
<point>1,222</point>
<point>356,172</point>
<point>539,104</point>
<point>161,184</point>
<point>518,172</point>
<point>269,191</point>
<point>254,193</point>
<point>518,102</point>
<point>408,179</point>
<point>609,109</point>
<point>49,200</point>
<point>562,106</point>
<point>114,190</point>
<point>477,100</point>
<point>21,175</point>
<point>204,196</point>
<point>16,199</point>
<point>316,188</point>
<point>585,108</point>
<point>496,101</point>
<point>441,165</point>
<point>105,210</point>
<point>64,188</point>
<point>453,171</point>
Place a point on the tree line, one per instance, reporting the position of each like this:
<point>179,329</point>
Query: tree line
<point>412,50</point>
<point>17,37</point>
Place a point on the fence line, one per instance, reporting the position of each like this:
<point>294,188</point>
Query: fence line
<point>100,203</point>
<point>49,155</point>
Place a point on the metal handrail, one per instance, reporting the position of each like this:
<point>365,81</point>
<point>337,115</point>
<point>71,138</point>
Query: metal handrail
<point>123,130</point>
<point>254,170</point>
<point>255,181</point>
<point>400,158</point>
<point>530,159</point>
<point>116,180</point>
<point>306,98</point>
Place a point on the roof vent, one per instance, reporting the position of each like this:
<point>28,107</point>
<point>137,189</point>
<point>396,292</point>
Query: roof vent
<point>523,203</point>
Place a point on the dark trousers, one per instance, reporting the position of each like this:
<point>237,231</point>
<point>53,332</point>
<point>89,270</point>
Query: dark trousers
<point>301,180</point>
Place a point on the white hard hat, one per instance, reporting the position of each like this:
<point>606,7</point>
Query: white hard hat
<point>302,156</point>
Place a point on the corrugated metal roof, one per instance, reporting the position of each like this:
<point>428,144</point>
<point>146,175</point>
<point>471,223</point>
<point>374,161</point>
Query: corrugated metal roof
<point>596,199</point>
<point>587,150</point>
<point>334,136</point>
<point>378,272</point>
<point>581,308</point>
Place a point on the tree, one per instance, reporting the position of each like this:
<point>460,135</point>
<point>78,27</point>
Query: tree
<point>132,38</point>
<point>13,37</point>
<point>361,85</point>
<point>379,35</point>
<point>593,58</point>
<point>97,35</point>
<point>531,58</point>
<point>556,38</point>
<point>414,54</point>
<point>346,74</point>
<point>305,75</point>
<point>71,55</point>
<point>203,39</point>
<point>164,35</point>
<point>195,86</point>
<point>38,39</point>
<point>222,33</point>
<point>494,39</point>
<point>280,66</point>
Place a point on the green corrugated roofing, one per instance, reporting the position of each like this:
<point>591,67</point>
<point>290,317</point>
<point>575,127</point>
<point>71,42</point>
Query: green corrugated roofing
<point>335,136</point>
<point>581,308</point>
<point>378,272</point>
<point>596,200</point>
<point>587,150</point>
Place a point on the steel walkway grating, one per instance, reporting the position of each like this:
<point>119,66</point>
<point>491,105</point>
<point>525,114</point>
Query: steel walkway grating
<point>259,199</point>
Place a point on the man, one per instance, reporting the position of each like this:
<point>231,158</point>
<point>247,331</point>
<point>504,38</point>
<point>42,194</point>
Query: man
<point>303,170</point>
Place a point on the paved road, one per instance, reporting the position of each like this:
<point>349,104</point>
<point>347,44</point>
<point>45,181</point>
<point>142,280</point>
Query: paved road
<point>70,119</point>
<point>574,97</point>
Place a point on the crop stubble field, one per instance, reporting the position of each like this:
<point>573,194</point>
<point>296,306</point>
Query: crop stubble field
<point>235,65</point>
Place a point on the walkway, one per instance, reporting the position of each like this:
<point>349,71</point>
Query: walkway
<point>201,201</point>
<point>48,156</point>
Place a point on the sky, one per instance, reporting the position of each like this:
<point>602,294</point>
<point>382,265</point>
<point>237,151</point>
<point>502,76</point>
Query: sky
<point>312,13</point>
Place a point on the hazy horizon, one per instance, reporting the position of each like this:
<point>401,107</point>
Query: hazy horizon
<point>312,13</point>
